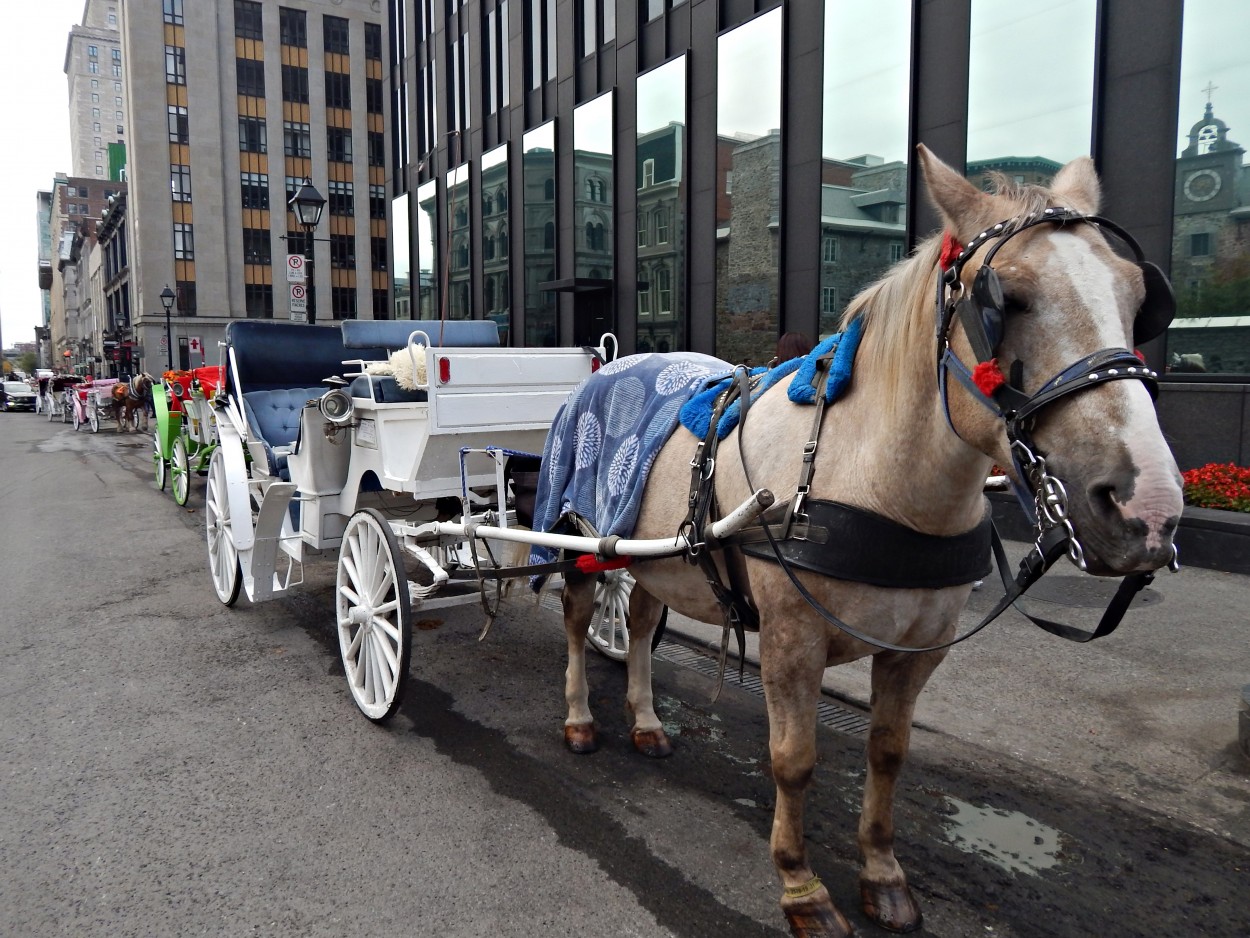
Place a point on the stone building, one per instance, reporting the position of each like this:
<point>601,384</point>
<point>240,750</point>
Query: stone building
<point>97,111</point>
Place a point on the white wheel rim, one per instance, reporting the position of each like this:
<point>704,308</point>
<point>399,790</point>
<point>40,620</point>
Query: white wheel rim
<point>223,559</point>
<point>608,631</point>
<point>95,422</point>
<point>370,617</point>
<point>179,478</point>
<point>158,461</point>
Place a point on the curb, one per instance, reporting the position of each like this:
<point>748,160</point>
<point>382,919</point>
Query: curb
<point>1243,722</point>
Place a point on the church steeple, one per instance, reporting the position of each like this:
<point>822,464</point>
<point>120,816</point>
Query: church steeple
<point>1209,135</point>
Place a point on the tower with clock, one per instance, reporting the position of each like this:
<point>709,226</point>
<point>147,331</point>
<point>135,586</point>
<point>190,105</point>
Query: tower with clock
<point>1206,171</point>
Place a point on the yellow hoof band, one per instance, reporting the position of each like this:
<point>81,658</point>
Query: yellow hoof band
<point>801,892</point>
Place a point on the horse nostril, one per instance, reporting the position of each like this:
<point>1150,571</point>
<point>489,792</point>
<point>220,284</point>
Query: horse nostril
<point>1102,497</point>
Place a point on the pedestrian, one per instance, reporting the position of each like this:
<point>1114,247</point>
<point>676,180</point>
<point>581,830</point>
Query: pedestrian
<point>792,345</point>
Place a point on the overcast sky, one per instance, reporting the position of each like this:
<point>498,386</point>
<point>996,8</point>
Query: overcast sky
<point>34,111</point>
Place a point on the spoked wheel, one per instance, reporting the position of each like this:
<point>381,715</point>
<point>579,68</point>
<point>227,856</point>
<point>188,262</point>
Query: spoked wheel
<point>374,614</point>
<point>223,559</point>
<point>179,471</point>
<point>609,628</point>
<point>158,462</point>
<point>65,412</point>
<point>94,419</point>
<point>77,420</point>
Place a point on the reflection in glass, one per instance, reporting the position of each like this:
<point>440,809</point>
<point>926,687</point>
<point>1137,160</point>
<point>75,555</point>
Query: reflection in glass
<point>402,244</point>
<point>660,207</point>
<point>593,188</point>
<point>863,192</point>
<point>538,168</point>
<point>1210,249</point>
<point>748,204</point>
<point>496,297</point>
<point>1019,125</point>
<point>427,219</point>
<point>457,273</point>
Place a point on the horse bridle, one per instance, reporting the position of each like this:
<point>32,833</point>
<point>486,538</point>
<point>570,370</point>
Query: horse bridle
<point>982,313</point>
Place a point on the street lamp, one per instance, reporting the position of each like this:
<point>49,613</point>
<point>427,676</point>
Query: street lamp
<point>308,204</point>
<point>167,300</point>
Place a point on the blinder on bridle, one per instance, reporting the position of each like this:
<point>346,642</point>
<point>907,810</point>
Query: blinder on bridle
<point>982,312</point>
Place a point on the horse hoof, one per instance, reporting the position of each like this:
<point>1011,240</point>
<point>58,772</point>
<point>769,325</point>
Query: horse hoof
<point>815,916</point>
<point>581,738</point>
<point>653,743</point>
<point>891,906</point>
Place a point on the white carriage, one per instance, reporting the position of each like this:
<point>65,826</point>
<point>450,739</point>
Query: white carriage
<point>409,487</point>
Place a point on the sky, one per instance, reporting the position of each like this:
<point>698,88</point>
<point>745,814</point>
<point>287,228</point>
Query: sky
<point>35,110</point>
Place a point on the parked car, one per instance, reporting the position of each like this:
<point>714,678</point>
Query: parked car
<point>17,396</point>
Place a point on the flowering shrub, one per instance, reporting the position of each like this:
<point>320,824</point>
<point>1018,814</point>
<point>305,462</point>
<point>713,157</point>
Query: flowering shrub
<point>1218,485</point>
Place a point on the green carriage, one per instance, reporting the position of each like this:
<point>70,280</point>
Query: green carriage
<point>186,428</point>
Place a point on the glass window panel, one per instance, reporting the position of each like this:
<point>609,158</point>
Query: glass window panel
<point>748,122</point>
<point>1211,227</point>
<point>594,184</point>
<point>427,259</point>
<point>458,268</point>
<point>494,187</point>
<point>538,168</point>
<point>402,265</point>
<point>661,161</point>
<point>863,192</point>
<point>1016,123</point>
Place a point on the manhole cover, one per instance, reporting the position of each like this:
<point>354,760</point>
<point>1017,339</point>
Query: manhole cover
<point>1086,592</point>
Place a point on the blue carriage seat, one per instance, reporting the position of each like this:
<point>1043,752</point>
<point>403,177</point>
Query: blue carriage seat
<point>375,339</point>
<point>280,367</point>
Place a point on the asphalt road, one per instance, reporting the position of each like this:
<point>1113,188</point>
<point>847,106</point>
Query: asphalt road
<point>172,767</point>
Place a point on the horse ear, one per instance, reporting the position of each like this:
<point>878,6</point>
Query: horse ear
<point>1076,186</point>
<point>961,203</point>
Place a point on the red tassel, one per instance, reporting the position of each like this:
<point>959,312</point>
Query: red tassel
<point>987,377</point>
<point>589,563</point>
<point>951,249</point>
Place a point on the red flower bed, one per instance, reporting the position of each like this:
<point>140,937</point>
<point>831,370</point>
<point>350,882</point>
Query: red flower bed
<point>1218,485</point>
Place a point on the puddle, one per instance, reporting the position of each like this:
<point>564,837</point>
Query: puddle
<point>1008,839</point>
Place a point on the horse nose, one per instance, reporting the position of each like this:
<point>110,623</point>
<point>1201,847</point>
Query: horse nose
<point>1144,513</point>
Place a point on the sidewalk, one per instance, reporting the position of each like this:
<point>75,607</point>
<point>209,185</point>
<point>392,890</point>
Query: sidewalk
<point>1149,713</point>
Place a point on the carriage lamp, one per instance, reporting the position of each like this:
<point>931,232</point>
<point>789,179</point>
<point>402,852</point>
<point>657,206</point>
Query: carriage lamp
<point>167,300</point>
<point>307,204</point>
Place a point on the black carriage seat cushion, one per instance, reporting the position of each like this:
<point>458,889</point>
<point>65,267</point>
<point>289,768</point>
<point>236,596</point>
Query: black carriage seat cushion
<point>274,356</point>
<point>369,335</point>
<point>273,418</point>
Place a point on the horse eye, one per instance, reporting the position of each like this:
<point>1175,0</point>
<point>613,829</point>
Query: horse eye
<point>1014,304</point>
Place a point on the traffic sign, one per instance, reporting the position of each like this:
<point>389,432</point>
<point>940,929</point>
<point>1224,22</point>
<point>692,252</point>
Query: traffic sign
<point>295,268</point>
<point>299,303</point>
<point>195,346</point>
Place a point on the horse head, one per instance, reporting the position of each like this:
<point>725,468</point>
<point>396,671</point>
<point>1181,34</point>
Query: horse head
<point>1041,306</point>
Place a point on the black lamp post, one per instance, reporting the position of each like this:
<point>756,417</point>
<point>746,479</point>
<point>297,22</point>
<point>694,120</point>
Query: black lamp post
<point>167,300</point>
<point>308,204</point>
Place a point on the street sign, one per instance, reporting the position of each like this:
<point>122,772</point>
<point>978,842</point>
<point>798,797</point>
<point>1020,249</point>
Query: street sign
<point>295,268</point>
<point>195,346</point>
<point>299,303</point>
<point>164,343</point>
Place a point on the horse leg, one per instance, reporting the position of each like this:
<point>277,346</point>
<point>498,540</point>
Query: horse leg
<point>578,600</point>
<point>648,733</point>
<point>791,677</point>
<point>897,680</point>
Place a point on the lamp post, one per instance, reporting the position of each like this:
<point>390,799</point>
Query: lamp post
<point>308,204</point>
<point>167,300</point>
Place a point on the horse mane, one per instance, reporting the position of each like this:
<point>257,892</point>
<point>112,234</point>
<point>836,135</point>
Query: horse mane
<point>898,309</point>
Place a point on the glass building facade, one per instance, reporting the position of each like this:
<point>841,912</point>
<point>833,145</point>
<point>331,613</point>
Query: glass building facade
<point>710,174</point>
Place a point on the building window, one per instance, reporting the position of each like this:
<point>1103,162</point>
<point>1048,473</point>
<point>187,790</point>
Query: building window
<point>296,141</point>
<point>377,201</point>
<point>184,242</point>
<point>256,246</point>
<point>258,298</point>
<point>185,292</point>
<point>336,34</point>
<point>250,77</point>
<point>549,236</point>
<point>643,232</point>
<point>343,251</point>
<point>173,11</point>
<point>117,71</point>
<point>1200,244</point>
<point>373,41</point>
<point>93,68</point>
<point>340,199</point>
<point>95,112</point>
<point>661,226</point>
<point>378,253</point>
<point>648,173</point>
<point>373,95</point>
<point>829,250</point>
<point>180,182</point>
<point>117,55</point>
<point>178,131</point>
<point>93,51</point>
<point>377,149</point>
<point>292,186</point>
<point>828,301</point>
<point>381,305</point>
<point>343,302</point>
<point>663,292</point>
<point>540,41</point>
<point>339,144</point>
<point>896,251</point>
<point>295,84</point>
<point>338,90</point>
<point>247,23</point>
<point>644,300</point>
<point>253,135</point>
<point>175,65</point>
<point>292,27</point>
<point>595,238</point>
<point>255,190</point>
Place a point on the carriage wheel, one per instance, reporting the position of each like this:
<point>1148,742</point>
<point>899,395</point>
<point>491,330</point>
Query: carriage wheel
<point>94,419</point>
<point>77,420</point>
<point>374,614</point>
<point>608,632</point>
<point>179,471</point>
<point>158,462</point>
<point>50,409</point>
<point>223,559</point>
<point>66,408</point>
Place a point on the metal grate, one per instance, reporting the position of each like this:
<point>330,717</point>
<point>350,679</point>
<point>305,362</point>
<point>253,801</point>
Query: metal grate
<point>838,719</point>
